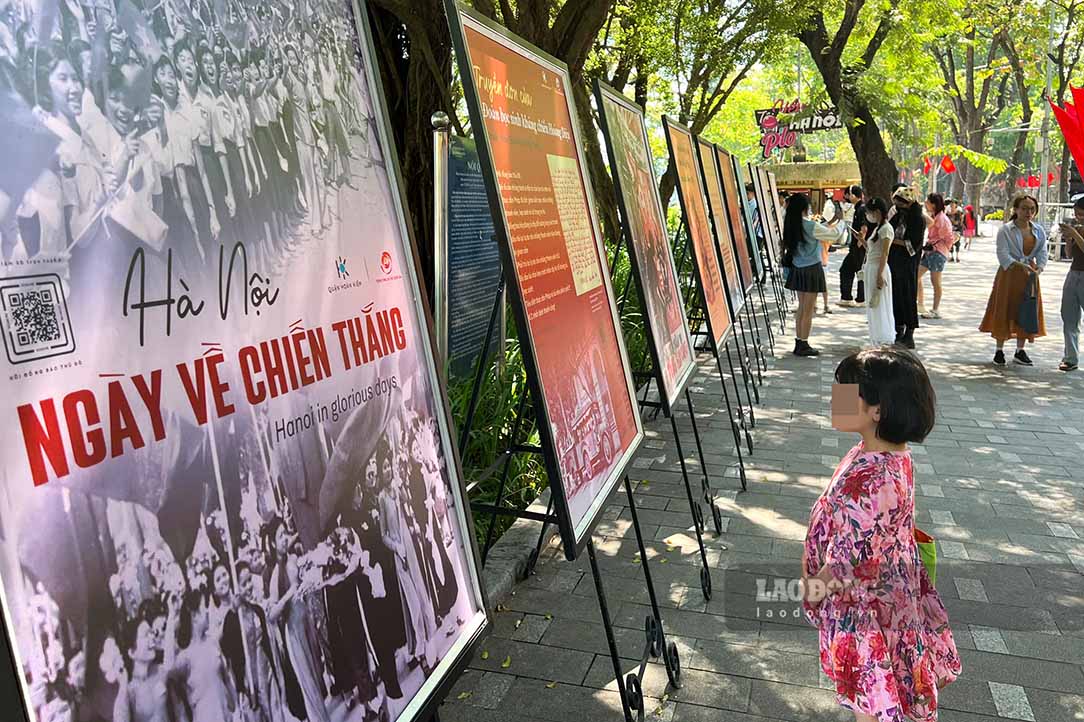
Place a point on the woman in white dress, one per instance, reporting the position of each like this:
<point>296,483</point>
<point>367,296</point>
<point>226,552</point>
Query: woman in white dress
<point>878,281</point>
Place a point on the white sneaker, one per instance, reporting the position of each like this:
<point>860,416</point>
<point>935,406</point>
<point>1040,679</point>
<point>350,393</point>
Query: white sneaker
<point>846,304</point>
<point>860,304</point>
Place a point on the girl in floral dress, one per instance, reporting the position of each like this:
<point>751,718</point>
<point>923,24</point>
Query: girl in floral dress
<point>884,634</point>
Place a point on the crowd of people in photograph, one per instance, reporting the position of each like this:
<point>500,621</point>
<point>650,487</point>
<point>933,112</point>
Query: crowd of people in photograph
<point>170,125</point>
<point>892,247</point>
<point>251,626</point>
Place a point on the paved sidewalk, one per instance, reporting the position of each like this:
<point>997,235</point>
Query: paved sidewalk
<point>999,483</point>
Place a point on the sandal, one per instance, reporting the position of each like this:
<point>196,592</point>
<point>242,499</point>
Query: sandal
<point>1066,366</point>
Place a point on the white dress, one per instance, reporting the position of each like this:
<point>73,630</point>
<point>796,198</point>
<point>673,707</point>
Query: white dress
<point>882,323</point>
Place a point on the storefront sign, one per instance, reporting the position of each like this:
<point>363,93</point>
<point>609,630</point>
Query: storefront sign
<point>229,487</point>
<point>780,129</point>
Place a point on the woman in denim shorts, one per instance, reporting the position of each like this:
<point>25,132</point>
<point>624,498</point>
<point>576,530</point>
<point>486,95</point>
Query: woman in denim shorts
<point>939,240</point>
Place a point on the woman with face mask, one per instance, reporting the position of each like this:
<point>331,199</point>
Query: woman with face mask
<point>882,323</point>
<point>1021,257</point>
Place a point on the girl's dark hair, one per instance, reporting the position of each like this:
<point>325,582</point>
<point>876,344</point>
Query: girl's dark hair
<point>201,52</point>
<point>192,602</point>
<point>1078,204</point>
<point>162,62</point>
<point>895,380</point>
<point>40,63</point>
<point>879,205</point>
<point>938,202</point>
<point>179,46</point>
<point>797,204</point>
<point>270,529</point>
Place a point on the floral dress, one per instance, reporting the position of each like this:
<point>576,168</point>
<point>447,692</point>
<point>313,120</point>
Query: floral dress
<point>885,640</point>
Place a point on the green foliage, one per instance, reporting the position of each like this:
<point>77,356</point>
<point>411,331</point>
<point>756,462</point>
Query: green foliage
<point>998,215</point>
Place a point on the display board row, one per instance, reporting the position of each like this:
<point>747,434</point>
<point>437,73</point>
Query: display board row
<point>231,490</point>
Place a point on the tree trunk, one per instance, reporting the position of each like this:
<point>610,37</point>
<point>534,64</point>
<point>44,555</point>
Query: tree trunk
<point>414,51</point>
<point>879,171</point>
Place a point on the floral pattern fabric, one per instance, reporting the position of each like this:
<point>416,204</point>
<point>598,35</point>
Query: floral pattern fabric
<point>885,640</point>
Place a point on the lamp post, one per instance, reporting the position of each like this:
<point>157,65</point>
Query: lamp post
<point>1042,146</point>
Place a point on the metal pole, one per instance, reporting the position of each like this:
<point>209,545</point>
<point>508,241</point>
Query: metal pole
<point>1042,144</point>
<point>442,129</point>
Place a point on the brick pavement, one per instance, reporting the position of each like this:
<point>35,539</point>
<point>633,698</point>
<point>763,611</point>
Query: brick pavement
<point>999,483</point>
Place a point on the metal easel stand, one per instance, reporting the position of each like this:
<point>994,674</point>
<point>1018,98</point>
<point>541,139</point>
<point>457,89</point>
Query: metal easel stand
<point>647,377</point>
<point>741,346</point>
<point>753,318</point>
<point>631,687</point>
<point>695,508</point>
<point>694,300</point>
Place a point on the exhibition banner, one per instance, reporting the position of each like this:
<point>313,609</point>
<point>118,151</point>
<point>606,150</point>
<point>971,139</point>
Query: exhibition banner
<point>474,261</point>
<point>229,490</point>
<point>649,245</point>
<point>529,142</point>
<point>767,214</point>
<point>751,217</point>
<point>733,196</point>
<point>694,207</point>
<point>774,203</point>
<point>710,170</point>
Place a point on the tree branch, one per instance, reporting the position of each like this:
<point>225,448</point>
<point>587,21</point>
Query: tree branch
<point>846,27</point>
<point>883,29</point>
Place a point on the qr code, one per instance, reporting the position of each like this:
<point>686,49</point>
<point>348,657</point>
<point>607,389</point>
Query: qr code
<point>34,317</point>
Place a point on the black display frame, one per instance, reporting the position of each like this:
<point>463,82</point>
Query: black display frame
<point>669,126</point>
<point>700,144</point>
<point>573,542</point>
<point>427,708</point>
<point>736,197</point>
<point>768,219</point>
<point>605,92</point>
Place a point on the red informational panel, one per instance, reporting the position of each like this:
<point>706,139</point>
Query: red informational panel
<point>529,143</point>
<point>710,170</point>
<point>649,245</point>
<point>694,206</point>
<point>228,485</point>
<point>733,194</point>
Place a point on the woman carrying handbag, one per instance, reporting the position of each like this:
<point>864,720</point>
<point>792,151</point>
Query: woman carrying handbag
<point>1015,308</point>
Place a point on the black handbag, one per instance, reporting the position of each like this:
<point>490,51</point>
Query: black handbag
<point>1027,315</point>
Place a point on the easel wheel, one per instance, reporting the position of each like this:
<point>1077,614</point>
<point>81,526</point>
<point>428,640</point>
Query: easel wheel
<point>651,630</point>
<point>673,665</point>
<point>634,696</point>
<point>705,583</point>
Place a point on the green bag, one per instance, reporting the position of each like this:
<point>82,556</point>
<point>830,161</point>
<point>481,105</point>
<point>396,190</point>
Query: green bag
<point>927,549</point>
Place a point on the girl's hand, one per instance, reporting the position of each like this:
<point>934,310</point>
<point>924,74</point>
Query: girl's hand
<point>880,281</point>
<point>816,589</point>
